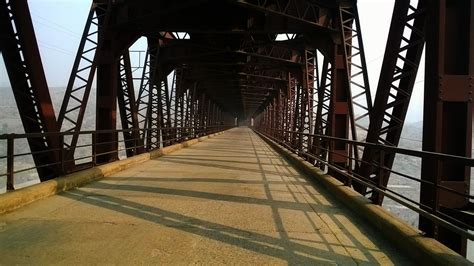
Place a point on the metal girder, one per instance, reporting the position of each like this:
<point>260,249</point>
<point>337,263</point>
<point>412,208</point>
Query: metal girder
<point>323,114</point>
<point>19,48</point>
<point>175,103</point>
<point>235,16</point>
<point>190,111</point>
<point>271,51</point>
<point>165,107</point>
<point>448,113</point>
<point>281,102</point>
<point>128,108</point>
<point>397,78</point>
<point>360,100</point>
<point>310,87</point>
<point>248,72</point>
<point>105,149</point>
<point>180,109</point>
<point>79,86</point>
<point>340,113</point>
<point>143,98</point>
<point>190,52</point>
<point>281,60</point>
<point>223,74</point>
<point>152,92</point>
<point>308,12</point>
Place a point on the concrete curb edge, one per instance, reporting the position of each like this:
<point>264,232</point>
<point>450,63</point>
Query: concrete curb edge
<point>19,198</point>
<point>424,250</point>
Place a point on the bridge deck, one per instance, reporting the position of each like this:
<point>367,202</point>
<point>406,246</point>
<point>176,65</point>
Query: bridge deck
<point>230,199</point>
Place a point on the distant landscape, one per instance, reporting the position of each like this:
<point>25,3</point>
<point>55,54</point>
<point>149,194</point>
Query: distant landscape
<point>10,123</point>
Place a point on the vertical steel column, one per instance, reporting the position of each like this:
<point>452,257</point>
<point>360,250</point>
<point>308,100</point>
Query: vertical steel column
<point>273,119</point>
<point>309,90</point>
<point>23,64</point>
<point>82,76</point>
<point>213,116</point>
<point>296,104</point>
<point>180,120</point>
<point>284,113</point>
<point>106,144</point>
<point>201,114</point>
<point>290,108</point>
<point>128,108</point>
<point>176,105</point>
<point>106,115</point>
<point>144,93</point>
<point>193,112</point>
<point>280,115</point>
<point>188,118</point>
<point>447,120</point>
<point>164,106</point>
<point>340,110</point>
<point>208,113</point>
<point>323,113</point>
<point>154,112</point>
<point>360,100</point>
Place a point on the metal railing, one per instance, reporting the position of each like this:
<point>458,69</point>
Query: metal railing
<point>168,136</point>
<point>462,227</point>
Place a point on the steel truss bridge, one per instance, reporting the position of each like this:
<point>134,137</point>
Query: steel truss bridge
<point>293,70</point>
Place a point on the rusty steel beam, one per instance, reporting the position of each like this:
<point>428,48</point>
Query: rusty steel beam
<point>128,108</point>
<point>247,73</point>
<point>22,59</point>
<point>340,113</point>
<point>360,104</point>
<point>291,107</point>
<point>176,104</point>
<point>106,144</point>
<point>310,87</point>
<point>308,12</point>
<point>142,101</point>
<point>323,110</point>
<point>154,111</point>
<point>397,78</point>
<point>447,116</point>
<point>82,76</point>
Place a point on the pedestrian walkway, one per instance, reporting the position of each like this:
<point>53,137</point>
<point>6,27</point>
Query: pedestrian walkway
<point>229,200</point>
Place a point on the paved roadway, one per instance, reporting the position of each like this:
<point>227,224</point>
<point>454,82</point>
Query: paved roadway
<point>228,200</point>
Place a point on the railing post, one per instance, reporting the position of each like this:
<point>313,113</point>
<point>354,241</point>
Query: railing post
<point>349,169</point>
<point>10,164</point>
<point>61,154</point>
<point>380,181</point>
<point>94,148</point>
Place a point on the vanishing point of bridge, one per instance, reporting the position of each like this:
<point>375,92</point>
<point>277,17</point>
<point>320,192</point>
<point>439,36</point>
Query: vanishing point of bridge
<point>250,135</point>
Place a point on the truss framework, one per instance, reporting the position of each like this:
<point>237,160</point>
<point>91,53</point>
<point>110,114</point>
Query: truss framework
<point>239,69</point>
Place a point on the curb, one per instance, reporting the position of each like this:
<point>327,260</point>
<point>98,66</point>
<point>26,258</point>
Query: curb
<point>14,200</point>
<point>422,249</point>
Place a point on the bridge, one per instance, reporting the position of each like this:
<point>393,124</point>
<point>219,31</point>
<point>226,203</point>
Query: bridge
<point>248,134</point>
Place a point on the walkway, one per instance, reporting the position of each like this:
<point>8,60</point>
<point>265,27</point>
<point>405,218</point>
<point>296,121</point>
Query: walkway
<point>230,199</point>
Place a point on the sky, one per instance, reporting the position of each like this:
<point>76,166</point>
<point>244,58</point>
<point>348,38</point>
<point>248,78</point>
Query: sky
<point>59,24</point>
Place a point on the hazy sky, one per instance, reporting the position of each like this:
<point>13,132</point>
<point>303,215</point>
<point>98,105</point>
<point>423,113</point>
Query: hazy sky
<point>59,25</point>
